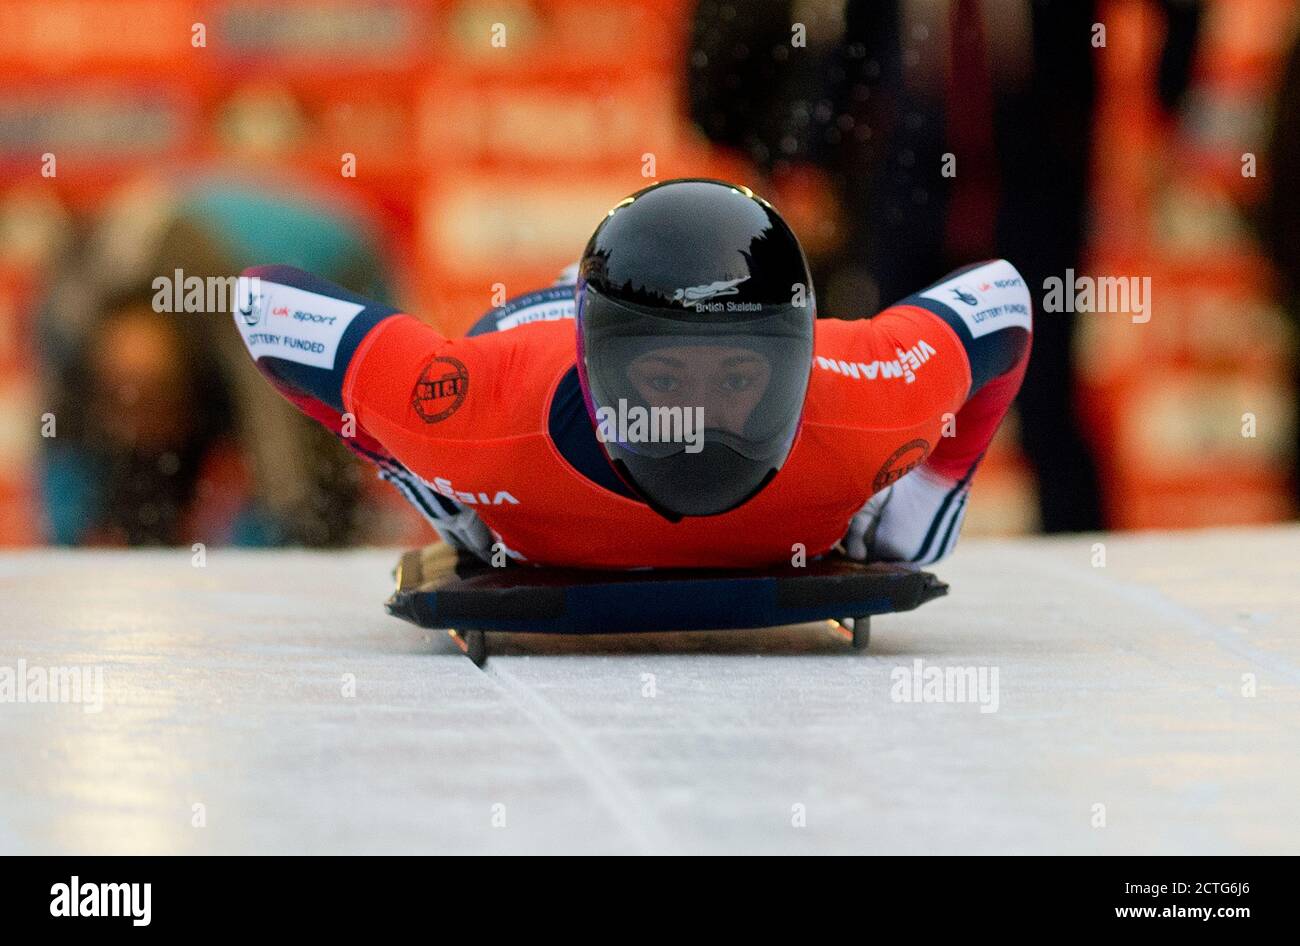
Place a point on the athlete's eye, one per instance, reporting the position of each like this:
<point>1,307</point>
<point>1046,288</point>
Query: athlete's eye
<point>665,384</point>
<point>736,382</point>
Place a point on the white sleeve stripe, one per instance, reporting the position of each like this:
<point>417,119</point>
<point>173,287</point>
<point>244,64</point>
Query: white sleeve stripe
<point>954,529</point>
<point>947,510</point>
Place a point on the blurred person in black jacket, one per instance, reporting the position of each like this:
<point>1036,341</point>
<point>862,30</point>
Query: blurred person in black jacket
<point>882,92</point>
<point>1279,216</point>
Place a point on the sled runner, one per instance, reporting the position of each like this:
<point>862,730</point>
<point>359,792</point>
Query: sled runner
<point>436,588</point>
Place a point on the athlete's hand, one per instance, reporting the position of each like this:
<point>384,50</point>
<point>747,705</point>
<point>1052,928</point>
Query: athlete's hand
<point>915,521</point>
<point>860,541</point>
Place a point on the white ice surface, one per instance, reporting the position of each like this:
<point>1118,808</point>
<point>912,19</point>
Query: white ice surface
<point>1119,686</point>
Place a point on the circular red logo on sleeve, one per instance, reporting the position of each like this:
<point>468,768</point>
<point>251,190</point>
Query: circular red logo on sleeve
<point>901,462</point>
<point>441,389</point>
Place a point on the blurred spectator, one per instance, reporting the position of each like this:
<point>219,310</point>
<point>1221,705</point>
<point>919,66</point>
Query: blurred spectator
<point>883,91</point>
<point>165,432</point>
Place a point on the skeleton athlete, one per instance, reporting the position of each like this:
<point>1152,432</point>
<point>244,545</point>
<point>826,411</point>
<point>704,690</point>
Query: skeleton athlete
<point>673,401</point>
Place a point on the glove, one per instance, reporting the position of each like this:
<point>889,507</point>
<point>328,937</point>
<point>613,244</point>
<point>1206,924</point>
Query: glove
<point>915,521</point>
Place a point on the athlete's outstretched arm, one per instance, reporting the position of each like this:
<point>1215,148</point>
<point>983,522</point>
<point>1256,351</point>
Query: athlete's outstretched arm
<point>316,343</point>
<point>988,308</point>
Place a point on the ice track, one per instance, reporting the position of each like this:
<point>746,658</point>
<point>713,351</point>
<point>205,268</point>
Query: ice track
<point>1163,687</point>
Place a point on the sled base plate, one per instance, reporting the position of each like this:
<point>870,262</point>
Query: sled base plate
<point>437,588</point>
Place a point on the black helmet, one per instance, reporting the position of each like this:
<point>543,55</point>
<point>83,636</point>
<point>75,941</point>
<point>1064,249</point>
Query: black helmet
<point>695,315</point>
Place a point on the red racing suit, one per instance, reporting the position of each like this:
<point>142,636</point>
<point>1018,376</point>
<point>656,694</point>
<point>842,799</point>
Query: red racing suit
<point>489,436</point>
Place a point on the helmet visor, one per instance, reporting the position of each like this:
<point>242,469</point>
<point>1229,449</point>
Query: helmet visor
<point>661,386</point>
